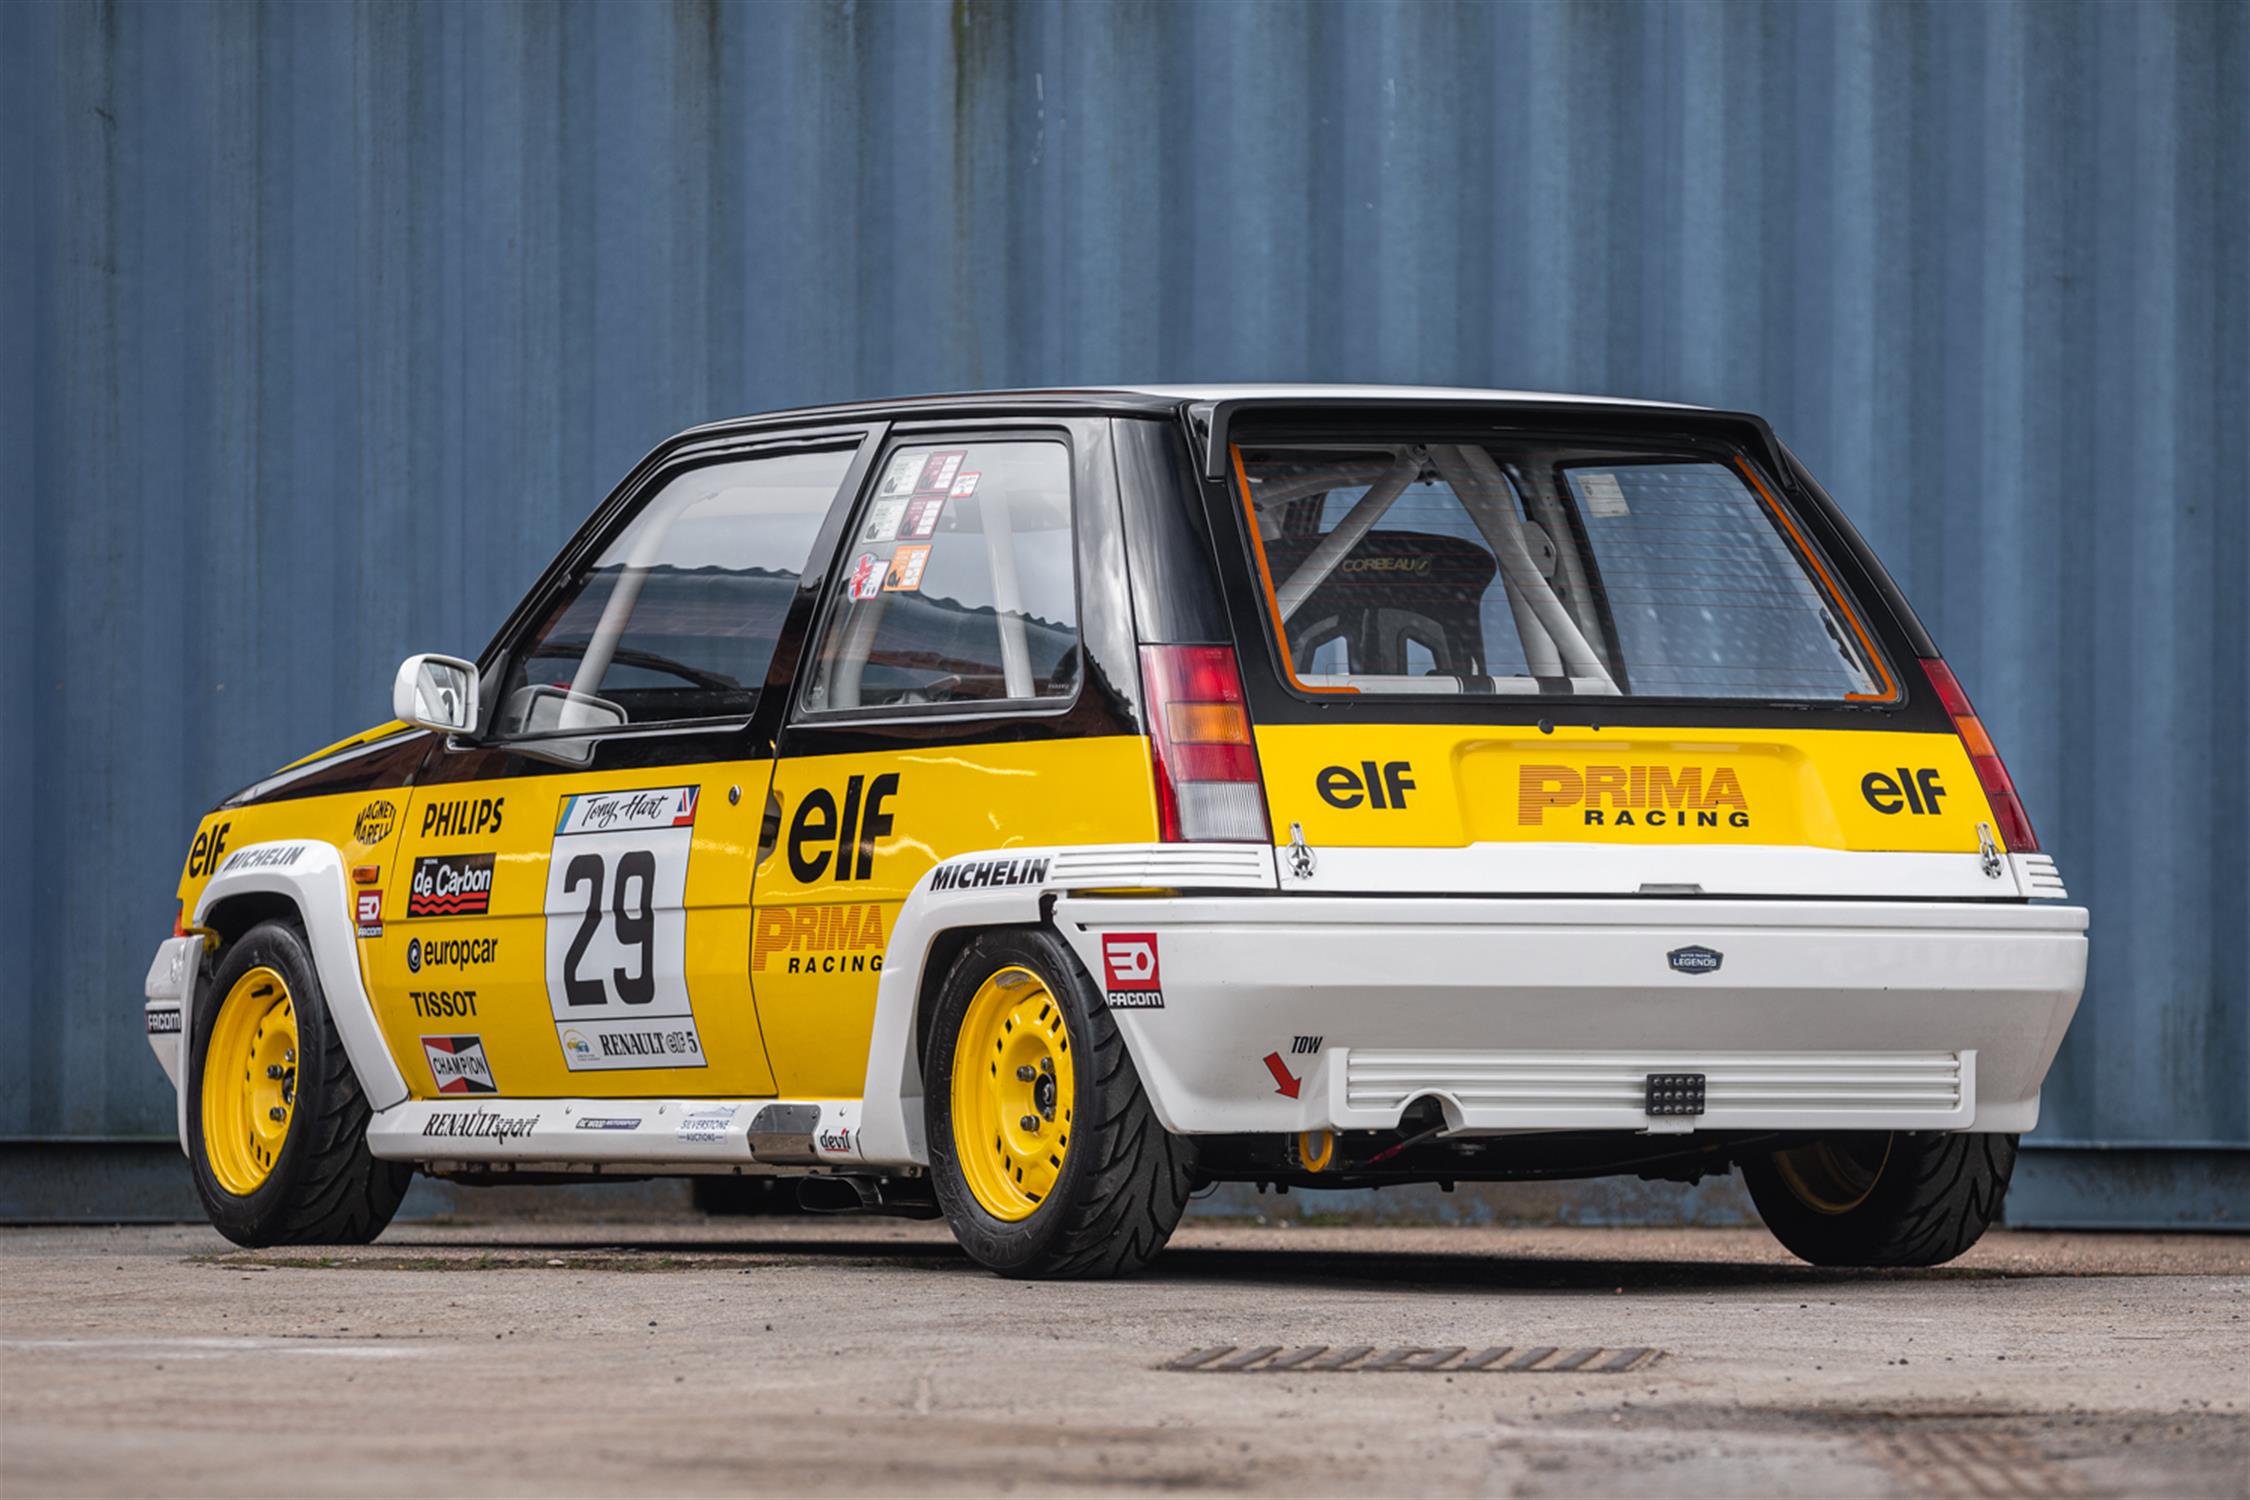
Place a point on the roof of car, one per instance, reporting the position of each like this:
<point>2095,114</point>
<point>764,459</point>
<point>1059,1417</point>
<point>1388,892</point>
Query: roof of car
<point>1145,398</point>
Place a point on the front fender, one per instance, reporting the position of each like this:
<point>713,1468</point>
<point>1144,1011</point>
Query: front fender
<point>311,876</point>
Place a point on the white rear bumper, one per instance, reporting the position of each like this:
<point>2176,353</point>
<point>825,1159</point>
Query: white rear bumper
<point>1550,1014</point>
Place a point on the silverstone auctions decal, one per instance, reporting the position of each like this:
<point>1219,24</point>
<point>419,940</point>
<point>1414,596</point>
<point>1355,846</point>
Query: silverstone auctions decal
<point>616,917</point>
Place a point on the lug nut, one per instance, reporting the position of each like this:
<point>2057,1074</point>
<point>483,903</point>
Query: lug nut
<point>1026,1073</point>
<point>1030,1123</point>
<point>277,1113</point>
<point>276,1070</point>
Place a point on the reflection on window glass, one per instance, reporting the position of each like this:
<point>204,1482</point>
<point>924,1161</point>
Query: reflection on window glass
<point>1542,565</point>
<point>676,618</point>
<point>958,586</point>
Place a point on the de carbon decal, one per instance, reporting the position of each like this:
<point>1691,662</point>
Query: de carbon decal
<point>1632,796</point>
<point>450,885</point>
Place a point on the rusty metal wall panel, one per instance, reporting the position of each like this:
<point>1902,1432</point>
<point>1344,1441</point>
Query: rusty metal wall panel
<point>322,324</point>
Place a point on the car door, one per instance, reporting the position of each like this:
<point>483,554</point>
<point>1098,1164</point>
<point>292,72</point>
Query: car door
<point>966,689</point>
<point>569,910</point>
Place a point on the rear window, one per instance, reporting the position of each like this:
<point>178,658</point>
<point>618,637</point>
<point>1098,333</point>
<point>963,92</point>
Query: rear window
<point>1554,566</point>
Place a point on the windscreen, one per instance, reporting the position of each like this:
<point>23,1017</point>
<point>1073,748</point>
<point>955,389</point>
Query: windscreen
<point>1551,566</point>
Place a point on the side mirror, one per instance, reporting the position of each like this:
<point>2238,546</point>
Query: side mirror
<point>436,692</point>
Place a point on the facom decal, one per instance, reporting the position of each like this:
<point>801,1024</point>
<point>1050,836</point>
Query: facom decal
<point>164,1022</point>
<point>1380,787</point>
<point>376,820</point>
<point>1636,796</point>
<point>480,1125</point>
<point>1130,967</point>
<point>819,833</point>
<point>1915,792</point>
<point>975,874</point>
<point>840,939</point>
<point>1695,960</point>
<point>203,854</point>
<point>367,912</point>
<point>458,1065</point>
<point>450,885</point>
<point>462,817</point>
<point>264,857</point>
<point>444,1005</point>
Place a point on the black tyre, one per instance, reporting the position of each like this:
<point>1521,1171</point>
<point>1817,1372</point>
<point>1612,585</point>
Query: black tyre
<point>1883,1198</point>
<point>277,1125</point>
<point>1046,1157</point>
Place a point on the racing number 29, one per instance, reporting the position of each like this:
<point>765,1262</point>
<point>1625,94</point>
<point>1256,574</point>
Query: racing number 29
<point>632,906</point>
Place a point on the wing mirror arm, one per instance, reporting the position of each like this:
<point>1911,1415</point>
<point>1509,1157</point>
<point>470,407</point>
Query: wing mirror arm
<point>437,693</point>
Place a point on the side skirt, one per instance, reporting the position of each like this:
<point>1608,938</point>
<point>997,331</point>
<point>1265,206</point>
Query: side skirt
<point>656,1135</point>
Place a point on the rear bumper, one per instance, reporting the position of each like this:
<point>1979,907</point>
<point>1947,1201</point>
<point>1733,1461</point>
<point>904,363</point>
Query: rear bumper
<point>1550,1014</point>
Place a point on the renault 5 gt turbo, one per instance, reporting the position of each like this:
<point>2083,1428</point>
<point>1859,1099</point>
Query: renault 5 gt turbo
<point>1030,807</point>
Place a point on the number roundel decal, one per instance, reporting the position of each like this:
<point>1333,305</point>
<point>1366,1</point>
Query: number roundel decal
<point>617,930</point>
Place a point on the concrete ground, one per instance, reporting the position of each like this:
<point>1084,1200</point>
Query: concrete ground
<point>858,1356</point>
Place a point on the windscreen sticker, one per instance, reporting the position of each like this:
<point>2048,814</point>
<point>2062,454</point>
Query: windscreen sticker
<point>921,518</point>
<point>882,520</point>
<point>966,485</point>
<point>616,917</point>
<point>906,569</point>
<point>1603,495</point>
<point>938,471</point>
<point>899,478</point>
<point>865,580</point>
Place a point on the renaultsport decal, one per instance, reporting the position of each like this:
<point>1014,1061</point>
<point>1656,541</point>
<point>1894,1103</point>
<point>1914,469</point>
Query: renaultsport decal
<point>482,1126</point>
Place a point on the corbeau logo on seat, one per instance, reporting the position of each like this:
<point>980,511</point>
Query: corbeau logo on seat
<point>844,939</point>
<point>450,885</point>
<point>1638,796</point>
<point>1129,965</point>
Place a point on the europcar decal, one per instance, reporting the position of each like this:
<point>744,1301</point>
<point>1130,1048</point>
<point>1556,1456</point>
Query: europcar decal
<point>616,918</point>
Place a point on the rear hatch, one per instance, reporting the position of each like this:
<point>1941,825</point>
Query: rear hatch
<point>1582,651</point>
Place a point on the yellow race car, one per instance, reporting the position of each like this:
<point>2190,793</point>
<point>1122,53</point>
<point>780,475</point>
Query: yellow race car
<point>1030,806</point>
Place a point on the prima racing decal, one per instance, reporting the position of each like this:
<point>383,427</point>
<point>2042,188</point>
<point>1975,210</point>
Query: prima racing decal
<point>450,885</point>
<point>846,939</point>
<point>616,917</point>
<point>1632,796</point>
<point>458,1065</point>
<point>1129,968</point>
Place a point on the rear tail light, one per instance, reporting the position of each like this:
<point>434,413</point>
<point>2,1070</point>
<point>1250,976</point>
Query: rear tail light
<point>1208,790</point>
<point>1999,790</point>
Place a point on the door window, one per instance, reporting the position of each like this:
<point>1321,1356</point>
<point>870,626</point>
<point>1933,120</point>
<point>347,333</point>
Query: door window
<point>958,586</point>
<point>676,617</point>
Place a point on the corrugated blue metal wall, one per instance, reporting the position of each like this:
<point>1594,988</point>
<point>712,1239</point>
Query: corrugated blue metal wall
<point>320,325</point>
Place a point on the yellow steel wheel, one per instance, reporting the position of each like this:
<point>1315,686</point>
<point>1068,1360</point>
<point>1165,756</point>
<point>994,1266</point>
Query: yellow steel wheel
<point>1013,1092</point>
<point>250,1081</point>
<point>1830,1177</point>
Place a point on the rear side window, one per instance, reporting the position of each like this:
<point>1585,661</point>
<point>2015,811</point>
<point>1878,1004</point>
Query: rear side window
<point>1546,566</point>
<point>958,587</point>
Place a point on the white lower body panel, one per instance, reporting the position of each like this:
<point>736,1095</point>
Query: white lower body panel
<point>1548,1014</point>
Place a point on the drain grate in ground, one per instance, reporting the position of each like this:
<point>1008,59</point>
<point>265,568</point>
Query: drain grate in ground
<point>1532,1359</point>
